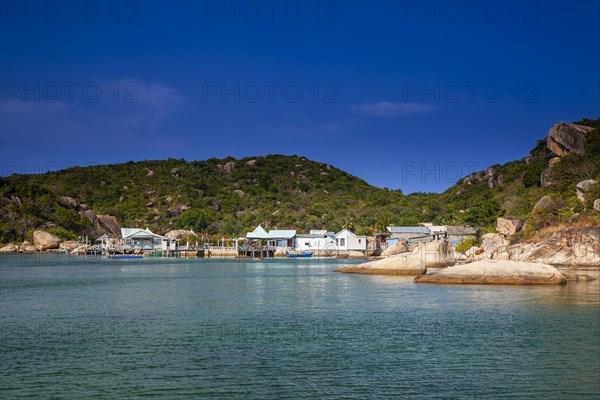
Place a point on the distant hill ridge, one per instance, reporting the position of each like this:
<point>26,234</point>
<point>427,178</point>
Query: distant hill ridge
<point>229,196</point>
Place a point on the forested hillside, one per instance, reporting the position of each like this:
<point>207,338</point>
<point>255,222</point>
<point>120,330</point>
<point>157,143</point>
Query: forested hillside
<point>229,196</point>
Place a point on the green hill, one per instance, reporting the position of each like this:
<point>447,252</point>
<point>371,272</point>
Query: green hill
<point>229,196</point>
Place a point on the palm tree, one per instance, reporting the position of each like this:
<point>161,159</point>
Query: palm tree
<point>348,223</point>
<point>382,222</point>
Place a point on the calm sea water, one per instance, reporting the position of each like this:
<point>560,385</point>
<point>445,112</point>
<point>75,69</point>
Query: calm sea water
<point>78,328</point>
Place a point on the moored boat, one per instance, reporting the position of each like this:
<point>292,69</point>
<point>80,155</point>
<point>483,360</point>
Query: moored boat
<point>299,255</point>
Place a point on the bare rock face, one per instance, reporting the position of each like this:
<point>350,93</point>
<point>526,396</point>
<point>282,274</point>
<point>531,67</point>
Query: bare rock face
<point>356,255</point>
<point>493,241</point>
<point>239,192</point>
<point>101,224</point>
<point>251,162</point>
<point>401,264</point>
<point>179,209</point>
<point>27,247</point>
<point>435,254</point>
<point>68,245</point>
<point>109,225</point>
<point>568,247</point>
<point>553,161</point>
<point>45,241</point>
<point>597,205</point>
<point>546,203</point>
<point>373,247</point>
<point>178,234</point>
<point>79,250</point>
<point>397,248</point>
<point>175,172</point>
<point>565,138</point>
<point>280,252</point>
<point>438,253</point>
<point>68,202</point>
<point>89,214</point>
<point>474,253</point>
<point>496,273</point>
<point>10,248</point>
<point>545,177</point>
<point>582,188</point>
<point>484,177</point>
<point>508,226</point>
<point>229,167</point>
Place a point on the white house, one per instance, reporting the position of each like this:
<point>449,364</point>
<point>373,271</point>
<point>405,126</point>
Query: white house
<point>316,240</point>
<point>347,240</point>
<point>145,239</point>
<point>274,238</point>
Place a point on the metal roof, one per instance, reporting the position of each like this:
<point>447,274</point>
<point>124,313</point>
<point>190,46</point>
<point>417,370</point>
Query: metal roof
<point>349,233</point>
<point>408,229</point>
<point>311,236</point>
<point>261,233</point>
<point>281,234</point>
<point>258,233</point>
<point>461,230</point>
<point>138,233</point>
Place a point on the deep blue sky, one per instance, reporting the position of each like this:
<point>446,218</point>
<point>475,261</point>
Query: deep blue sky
<point>403,94</point>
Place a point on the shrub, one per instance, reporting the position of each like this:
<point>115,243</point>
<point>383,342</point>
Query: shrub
<point>466,245</point>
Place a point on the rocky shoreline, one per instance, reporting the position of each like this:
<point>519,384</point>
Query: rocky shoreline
<point>553,260</point>
<point>496,273</point>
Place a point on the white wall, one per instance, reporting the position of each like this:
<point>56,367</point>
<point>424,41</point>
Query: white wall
<point>351,241</point>
<point>315,244</point>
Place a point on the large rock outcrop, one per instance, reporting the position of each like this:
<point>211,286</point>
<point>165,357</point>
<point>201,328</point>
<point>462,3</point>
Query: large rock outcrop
<point>583,187</point>
<point>68,202</point>
<point>109,225</point>
<point>229,167</point>
<point>178,234</point>
<point>565,138</point>
<point>9,248</point>
<point>356,255</point>
<point>45,241</point>
<point>508,226</point>
<point>493,244</point>
<point>373,247</point>
<point>496,273</point>
<point>545,204</point>
<point>398,247</point>
<point>438,253</point>
<point>68,245</point>
<point>573,247</point>
<point>27,247</point>
<point>401,264</point>
<point>101,224</point>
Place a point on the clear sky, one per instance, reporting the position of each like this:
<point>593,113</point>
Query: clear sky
<point>404,94</point>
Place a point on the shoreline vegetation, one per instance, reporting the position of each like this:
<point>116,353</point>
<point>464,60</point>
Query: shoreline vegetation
<point>543,209</point>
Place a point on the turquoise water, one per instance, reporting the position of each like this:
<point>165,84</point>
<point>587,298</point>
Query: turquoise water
<point>78,328</point>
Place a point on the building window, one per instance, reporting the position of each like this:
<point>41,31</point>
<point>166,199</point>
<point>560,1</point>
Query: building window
<point>359,241</point>
<point>342,242</point>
